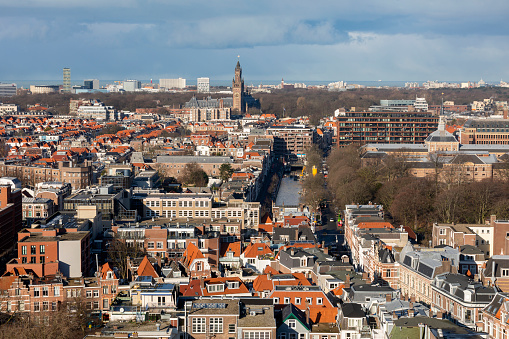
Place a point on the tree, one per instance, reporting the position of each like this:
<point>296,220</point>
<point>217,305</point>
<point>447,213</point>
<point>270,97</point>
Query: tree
<point>193,175</point>
<point>119,250</point>
<point>225,171</point>
<point>111,129</point>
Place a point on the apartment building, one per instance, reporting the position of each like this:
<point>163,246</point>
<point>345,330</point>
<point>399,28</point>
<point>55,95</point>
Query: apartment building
<point>48,251</point>
<point>292,140</point>
<point>460,298</point>
<point>10,216</point>
<point>360,128</point>
<point>185,207</point>
<point>418,270</point>
<point>458,235</point>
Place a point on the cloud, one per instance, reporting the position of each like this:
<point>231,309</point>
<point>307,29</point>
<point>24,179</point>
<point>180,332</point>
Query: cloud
<point>21,28</point>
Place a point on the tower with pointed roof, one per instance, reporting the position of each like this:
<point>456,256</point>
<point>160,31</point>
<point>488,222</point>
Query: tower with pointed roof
<point>238,90</point>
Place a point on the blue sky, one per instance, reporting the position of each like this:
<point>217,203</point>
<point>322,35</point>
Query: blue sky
<point>300,40</point>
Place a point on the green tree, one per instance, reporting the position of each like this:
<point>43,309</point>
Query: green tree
<point>225,171</point>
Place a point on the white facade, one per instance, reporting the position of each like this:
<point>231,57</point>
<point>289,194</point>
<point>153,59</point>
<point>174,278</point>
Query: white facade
<point>131,85</point>
<point>203,85</point>
<point>421,104</point>
<point>8,108</point>
<point>172,83</point>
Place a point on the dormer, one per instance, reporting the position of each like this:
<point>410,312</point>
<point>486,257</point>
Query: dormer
<point>233,284</point>
<point>214,288</point>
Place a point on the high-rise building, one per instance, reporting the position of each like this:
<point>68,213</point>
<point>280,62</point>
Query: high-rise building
<point>131,85</point>
<point>238,90</point>
<point>8,90</point>
<point>203,85</point>
<point>67,80</point>
<point>91,84</point>
<point>172,83</point>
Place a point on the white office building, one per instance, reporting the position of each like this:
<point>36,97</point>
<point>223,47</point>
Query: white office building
<point>172,83</point>
<point>203,85</point>
<point>131,85</point>
<point>8,90</point>
<point>421,104</point>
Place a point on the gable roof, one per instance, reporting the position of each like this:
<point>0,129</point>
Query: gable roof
<point>191,253</point>
<point>146,269</point>
<point>256,249</point>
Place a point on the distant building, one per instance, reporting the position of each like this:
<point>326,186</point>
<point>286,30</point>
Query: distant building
<point>91,84</point>
<point>131,85</point>
<point>67,80</point>
<point>238,90</point>
<point>203,85</point>
<point>172,83</point>
<point>8,90</point>
<point>44,89</point>
<point>8,108</point>
<point>485,132</point>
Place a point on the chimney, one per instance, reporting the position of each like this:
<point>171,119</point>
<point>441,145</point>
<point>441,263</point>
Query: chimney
<point>388,298</point>
<point>325,249</point>
<point>411,313</point>
<point>505,114</point>
<point>402,297</point>
<point>410,305</point>
<point>158,326</point>
<point>365,277</point>
<point>292,251</point>
<point>159,261</point>
<point>439,315</point>
<point>202,282</point>
<point>307,314</point>
<point>493,217</point>
<point>296,234</point>
<point>412,299</point>
<point>446,264</point>
<point>347,282</point>
<point>394,316</point>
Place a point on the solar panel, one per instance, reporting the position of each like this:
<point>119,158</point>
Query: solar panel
<point>209,305</point>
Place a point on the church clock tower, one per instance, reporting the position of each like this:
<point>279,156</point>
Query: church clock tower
<point>238,90</point>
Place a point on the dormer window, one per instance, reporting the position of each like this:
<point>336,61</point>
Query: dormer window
<point>215,288</point>
<point>303,262</point>
<point>109,275</point>
<point>505,272</point>
<point>233,284</point>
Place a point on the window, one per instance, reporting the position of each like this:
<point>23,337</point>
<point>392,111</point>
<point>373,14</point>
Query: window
<point>150,244</point>
<point>96,305</point>
<point>42,249</point>
<point>297,301</point>
<point>231,328</point>
<point>45,306</point>
<point>276,301</point>
<point>505,272</point>
<point>292,323</point>
<point>216,325</point>
<point>319,301</point>
<point>23,250</point>
<point>96,293</point>
<point>287,300</point>
<point>442,231</point>
<point>33,260</point>
<point>89,294</point>
<point>33,249</point>
<point>293,335</point>
<point>309,301</point>
<point>42,259</point>
<point>36,306</point>
<point>388,273</point>
<point>256,335</point>
<point>198,325</point>
<point>105,303</point>
<point>36,292</point>
<point>303,336</point>
<point>56,291</point>
<point>54,306</point>
<point>282,335</point>
<point>45,291</point>
<point>159,244</point>
<point>105,289</point>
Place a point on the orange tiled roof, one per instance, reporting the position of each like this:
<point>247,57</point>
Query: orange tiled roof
<point>256,249</point>
<point>146,269</point>
<point>105,269</point>
<point>231,247</point>
<point>375,224</point>
<point>191,253</point>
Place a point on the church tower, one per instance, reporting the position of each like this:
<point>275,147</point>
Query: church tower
<point>238,90</point>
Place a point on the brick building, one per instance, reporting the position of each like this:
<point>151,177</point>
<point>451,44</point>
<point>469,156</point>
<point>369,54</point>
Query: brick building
<point>10,216</point>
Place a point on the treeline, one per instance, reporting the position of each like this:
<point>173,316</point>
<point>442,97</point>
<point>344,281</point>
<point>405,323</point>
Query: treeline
<point>290,103</point>
<point>410,201</point>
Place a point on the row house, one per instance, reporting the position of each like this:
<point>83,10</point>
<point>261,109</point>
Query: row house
<point>418,270</point>
<point>257,256</point>
<point>382,265</point>
<point>224,319</point>
<point>264,284</point>
<point>216,287</point>
<point>495,317</point>
<point>313,298</point>
<point>460,298</point>
<point>496,272</point>
<point>25,293</point>
<point>458,235</point>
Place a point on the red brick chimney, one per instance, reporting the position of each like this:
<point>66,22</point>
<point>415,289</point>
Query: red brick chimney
<point>347,282</point>
<point>388,298</point>
<point>439,315</point>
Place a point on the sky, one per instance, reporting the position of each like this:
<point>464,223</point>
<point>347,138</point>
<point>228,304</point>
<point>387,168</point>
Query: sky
<point>364,40</point>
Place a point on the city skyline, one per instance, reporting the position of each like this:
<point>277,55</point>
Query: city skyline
<point>290,40</point>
